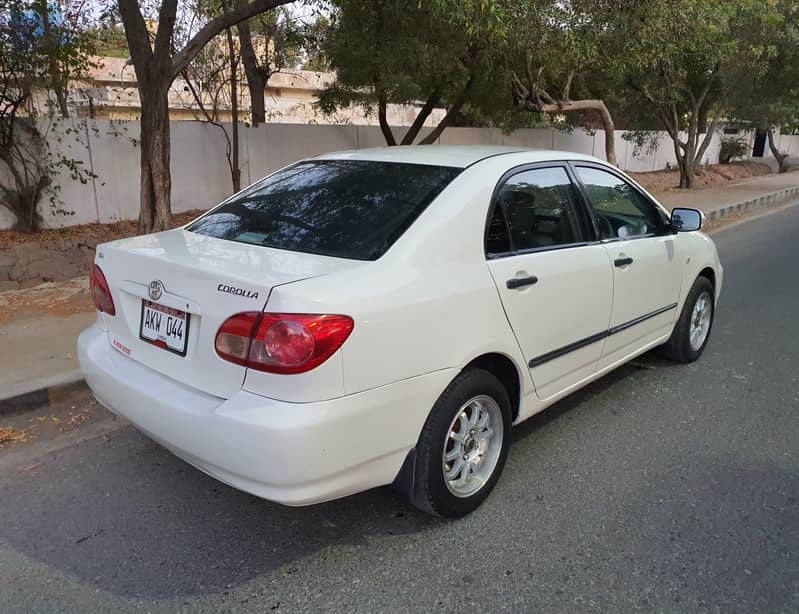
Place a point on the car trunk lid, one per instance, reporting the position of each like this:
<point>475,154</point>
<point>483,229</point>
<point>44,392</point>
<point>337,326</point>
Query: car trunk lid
<point>207,278</point>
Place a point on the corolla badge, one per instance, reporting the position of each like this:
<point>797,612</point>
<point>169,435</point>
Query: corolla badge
<point>155,289</point>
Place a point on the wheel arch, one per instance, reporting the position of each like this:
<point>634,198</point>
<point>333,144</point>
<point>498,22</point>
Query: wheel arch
<point>506,371</point>
<point>710,275</point>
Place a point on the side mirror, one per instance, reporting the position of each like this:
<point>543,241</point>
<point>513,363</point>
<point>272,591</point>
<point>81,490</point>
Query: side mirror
<point>686,220</point>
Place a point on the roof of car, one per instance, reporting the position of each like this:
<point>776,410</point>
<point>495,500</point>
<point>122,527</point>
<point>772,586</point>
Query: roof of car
<point>449,155</point>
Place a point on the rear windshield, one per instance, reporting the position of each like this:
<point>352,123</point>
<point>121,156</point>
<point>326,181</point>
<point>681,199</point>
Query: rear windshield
<point>345,208</point>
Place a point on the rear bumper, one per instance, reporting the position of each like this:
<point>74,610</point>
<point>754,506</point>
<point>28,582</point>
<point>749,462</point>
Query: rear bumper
<point>291,453</point>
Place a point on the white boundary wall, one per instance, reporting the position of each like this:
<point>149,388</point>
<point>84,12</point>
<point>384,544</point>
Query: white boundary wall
<point>201,176</point>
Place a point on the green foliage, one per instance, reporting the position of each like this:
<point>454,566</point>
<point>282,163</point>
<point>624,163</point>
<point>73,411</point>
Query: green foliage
<point>645,142</point>
<point>109,41</point>
<point>683,55</point>
<point>685,60</point>
<point>773,97</point>
<point>42,47</point>
<point>392,51</point>
<point>732,148</point>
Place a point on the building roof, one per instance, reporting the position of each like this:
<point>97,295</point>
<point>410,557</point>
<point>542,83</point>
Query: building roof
<point>458,156</point>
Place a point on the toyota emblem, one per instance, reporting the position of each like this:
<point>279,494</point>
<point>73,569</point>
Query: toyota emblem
<point>155,289</point>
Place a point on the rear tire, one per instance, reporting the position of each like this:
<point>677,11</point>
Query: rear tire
<point>692,331</point>
<point>465,437</point>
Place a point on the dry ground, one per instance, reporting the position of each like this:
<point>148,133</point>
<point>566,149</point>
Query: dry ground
<point>88,233</point>
<point>706,176</point>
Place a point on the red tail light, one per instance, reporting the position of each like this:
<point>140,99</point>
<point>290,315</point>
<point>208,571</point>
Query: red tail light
<point>101,293</point>
<point>281,342</point>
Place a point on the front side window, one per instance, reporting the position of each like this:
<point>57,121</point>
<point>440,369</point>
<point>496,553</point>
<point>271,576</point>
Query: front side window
<point>343,208</point>
<point>533,209</point>
<point>622,212</point>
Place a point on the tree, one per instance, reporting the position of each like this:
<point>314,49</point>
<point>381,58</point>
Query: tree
<point>680,62</point>
<point>38,56</point>
<point>773,98</point>
<point>277,46</point>
<point>157,64</point>
<point>396,52</point>
<point>555,49</point>
<point>212,78</point>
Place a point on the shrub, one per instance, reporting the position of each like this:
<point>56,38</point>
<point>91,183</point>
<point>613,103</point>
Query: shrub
<point>732,148</point>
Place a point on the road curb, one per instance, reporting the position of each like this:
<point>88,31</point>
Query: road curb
<point>43,393</point>
<point>766,200</point>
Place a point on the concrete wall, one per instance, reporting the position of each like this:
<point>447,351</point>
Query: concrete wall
<point>201,176</point>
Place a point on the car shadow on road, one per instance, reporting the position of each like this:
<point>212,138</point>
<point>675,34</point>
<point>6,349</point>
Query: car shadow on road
<point>122,513</point>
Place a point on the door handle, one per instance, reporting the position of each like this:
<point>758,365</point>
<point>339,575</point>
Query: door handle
<point>521,282</point>
<point>622,261</point>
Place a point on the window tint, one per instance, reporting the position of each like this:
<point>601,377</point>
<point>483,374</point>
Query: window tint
<point>621,210</point>
<point>345,208</point>
<point>533,209</point>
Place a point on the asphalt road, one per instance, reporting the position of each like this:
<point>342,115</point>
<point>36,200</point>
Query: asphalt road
<point>660,488</point>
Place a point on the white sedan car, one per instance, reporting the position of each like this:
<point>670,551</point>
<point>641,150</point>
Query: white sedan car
<point>384,316</point>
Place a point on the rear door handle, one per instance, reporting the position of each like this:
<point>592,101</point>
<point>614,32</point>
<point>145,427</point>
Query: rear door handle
<point>521,282</point>
<point>622,261</point>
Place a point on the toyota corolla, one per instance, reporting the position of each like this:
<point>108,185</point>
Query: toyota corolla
<point>385,316</point>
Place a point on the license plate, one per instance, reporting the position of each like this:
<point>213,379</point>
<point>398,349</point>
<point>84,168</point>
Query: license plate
<point>164,327</point>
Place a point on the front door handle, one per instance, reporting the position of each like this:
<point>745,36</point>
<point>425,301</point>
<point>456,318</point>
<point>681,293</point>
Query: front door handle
<point>521,282</point>
<point>622,261</point>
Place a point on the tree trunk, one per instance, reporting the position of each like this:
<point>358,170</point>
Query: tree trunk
<point>778,155</point>
<point>156,182</point>
<point>256,75</point>
<point>686,162</point>
<point>687,171</point>
<point>693,151</point>
<point>157,64</point>
<point>235,171</point>
<point>382,119</point>
<point>23,206</point>
<point>447,119</point>
<point>417,124</point>
<point>256,83</point>
<point>571,106</point>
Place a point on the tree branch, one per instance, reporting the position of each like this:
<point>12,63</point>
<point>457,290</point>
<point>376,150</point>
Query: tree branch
<point>166,26</point>
<point>567,88</point>
<point>215,26</point>
<point>382,119</point>
<point>136,33</point>
<point>418,122</point>
<point>701,100</point>
<point>451,113</point>
<point>708,138</point>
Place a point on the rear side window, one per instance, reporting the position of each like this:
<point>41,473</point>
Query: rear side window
<point>351,209</point>
<point>534,209</point>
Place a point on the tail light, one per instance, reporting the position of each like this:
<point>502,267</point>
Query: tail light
<point>281,342</point>
<point>101,293</point>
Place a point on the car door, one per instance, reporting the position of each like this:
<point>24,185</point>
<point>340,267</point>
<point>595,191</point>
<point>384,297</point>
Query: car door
<point>642,249</point>
<point>555,283</point>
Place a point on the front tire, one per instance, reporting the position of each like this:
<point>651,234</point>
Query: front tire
<point>463,446</point>
<point>692,331</point>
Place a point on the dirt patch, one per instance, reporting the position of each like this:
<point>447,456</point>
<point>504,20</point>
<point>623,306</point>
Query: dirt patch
<point>48,423</point>
<point>54,298</point>
<point>710,175</point>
